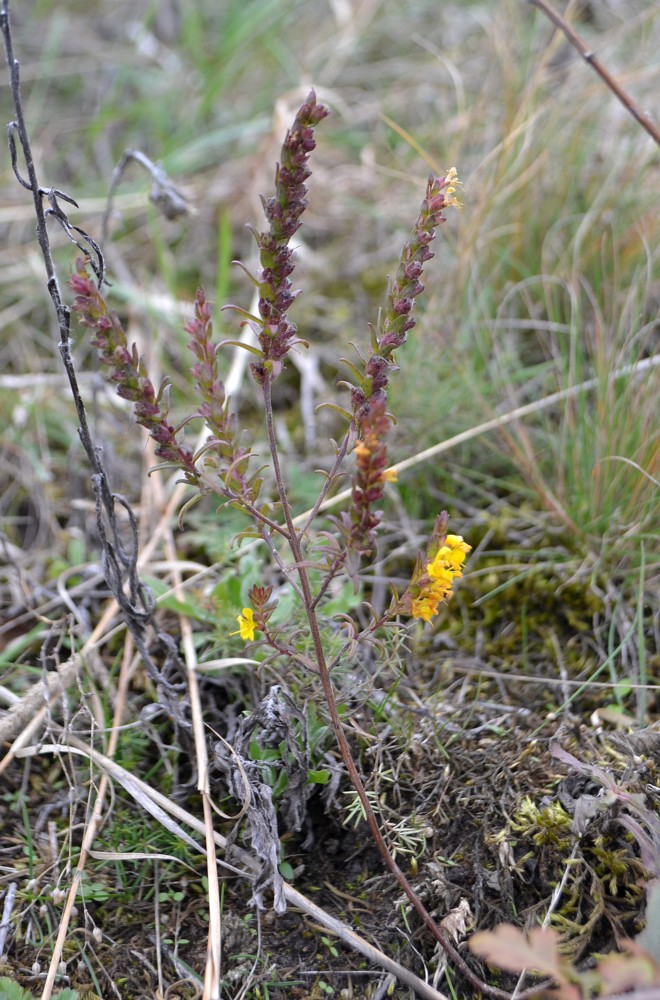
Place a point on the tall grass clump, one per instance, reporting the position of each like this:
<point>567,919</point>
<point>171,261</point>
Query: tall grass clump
<point>552,309</point>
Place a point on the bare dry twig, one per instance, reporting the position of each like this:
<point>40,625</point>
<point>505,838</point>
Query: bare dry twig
<point>119,555</point>
<point>590,57</point>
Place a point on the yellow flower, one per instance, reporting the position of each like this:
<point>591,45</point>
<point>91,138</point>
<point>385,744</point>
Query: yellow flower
<point>425,606</point>
<point>246,626</point>
<point>456,542</point>
<point>441,590</point>
<point>389,476</point>
<point>441,571</point>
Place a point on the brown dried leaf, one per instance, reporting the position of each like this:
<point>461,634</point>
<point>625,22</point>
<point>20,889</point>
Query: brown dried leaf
<point>457,921</point>
<point>624,972</point>
<point>508,948</point>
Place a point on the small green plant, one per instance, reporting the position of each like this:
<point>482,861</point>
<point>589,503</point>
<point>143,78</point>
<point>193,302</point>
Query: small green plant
<point>405,836</point>
<point>546,825</point>
<point>10,990</point>
<point>330,946</point>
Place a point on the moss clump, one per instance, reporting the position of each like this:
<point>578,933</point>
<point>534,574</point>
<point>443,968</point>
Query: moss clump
<point>547,826</point>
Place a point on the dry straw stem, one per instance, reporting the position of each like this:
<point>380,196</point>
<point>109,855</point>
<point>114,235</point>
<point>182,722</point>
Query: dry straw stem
<point>91,828</point>
<point>511,416</point>
<point>212,970</point>
<point>213,955</point>
<point>591,58</point>
<point>161,807</point>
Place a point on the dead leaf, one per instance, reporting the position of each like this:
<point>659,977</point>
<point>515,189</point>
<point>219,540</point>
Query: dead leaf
<point>508,948</point>
<point>625,972</point>
<point>457,921</point>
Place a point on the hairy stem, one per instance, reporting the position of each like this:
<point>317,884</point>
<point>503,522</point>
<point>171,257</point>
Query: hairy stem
<point>328,691</point>
<point>341,455</point>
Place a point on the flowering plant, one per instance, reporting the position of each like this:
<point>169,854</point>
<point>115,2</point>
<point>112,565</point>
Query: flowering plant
<point>222,466</point>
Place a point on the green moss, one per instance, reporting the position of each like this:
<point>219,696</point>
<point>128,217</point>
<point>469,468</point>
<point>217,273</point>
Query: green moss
<point>546,826</point>
<point>618,870</point>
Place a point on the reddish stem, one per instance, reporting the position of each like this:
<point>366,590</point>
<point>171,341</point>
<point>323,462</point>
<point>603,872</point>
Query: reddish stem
<point>338,729</point>
<point>589,56</point>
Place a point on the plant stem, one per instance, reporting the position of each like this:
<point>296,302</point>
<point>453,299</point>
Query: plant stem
<point>589,56</point>
<point>338,729</point>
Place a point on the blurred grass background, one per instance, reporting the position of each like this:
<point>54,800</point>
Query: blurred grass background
<point>548,278</point>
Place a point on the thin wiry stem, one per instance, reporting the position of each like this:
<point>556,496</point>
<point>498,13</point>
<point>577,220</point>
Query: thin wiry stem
<point>590,57</point>
<point>338,729</point>
<point>119,558</point>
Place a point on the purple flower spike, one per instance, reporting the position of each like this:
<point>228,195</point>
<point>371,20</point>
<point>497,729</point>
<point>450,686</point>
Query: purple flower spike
<point>276,333</point>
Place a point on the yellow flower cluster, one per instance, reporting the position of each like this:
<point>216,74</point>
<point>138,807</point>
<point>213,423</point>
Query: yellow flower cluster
<point>446,565</point>
<point>450,192</point>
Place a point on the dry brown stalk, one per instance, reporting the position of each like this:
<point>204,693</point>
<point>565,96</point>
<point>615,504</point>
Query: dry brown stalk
<point>592,59</point>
